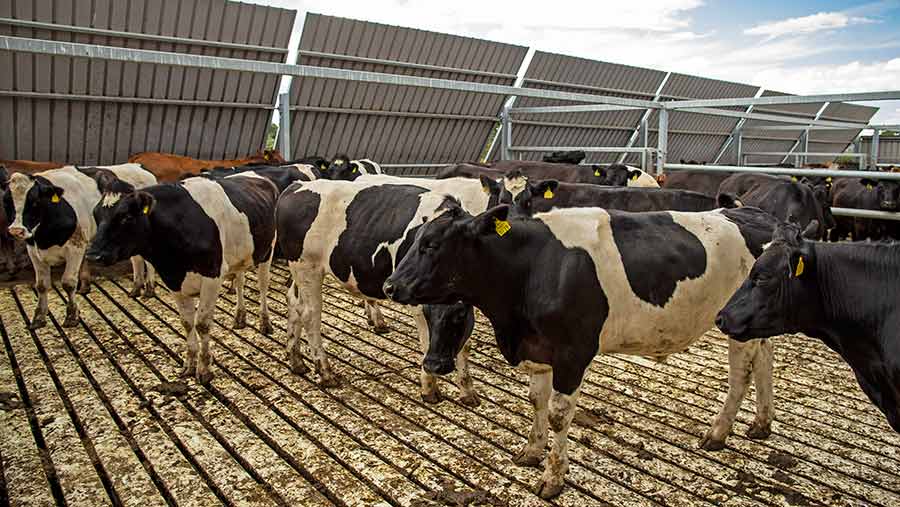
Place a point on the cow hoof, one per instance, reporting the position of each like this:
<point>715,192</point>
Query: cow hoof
<point>71,321</point>
<point>85,288</point>
<point>230,289</point>
<point>759,431</point>
<point>710,444</point>
<point>266,328</point>
<point>470,400</point>
<point>239,324</point>
<point>187,371</point>
<point>381,329</point>
<point>433,397</point>
<point>204,378</point>
<point>299,368</point>
<point>547,490</point>
<point>330,382</point>
<point>37,323</point>
<point>528,458</point>
<point>149,291</point>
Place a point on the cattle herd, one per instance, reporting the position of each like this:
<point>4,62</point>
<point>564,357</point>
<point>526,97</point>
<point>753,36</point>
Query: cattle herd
<point>566,261</point>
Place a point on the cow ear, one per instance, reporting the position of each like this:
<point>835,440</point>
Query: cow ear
<point>811,231</point>
<point>598,171</point>
<point>489,185</point>
<point>633,175</point>
<point>868,183</point>
<point>728,201</point>
<point>491,222</point>
<point>546,188</point>
<point>145,202</point>
<point>52,192</point>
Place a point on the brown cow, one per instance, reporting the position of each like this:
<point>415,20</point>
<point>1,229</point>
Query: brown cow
<point>168,167</point>
<point>28,166</point>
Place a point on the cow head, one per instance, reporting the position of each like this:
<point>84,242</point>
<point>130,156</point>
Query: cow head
<point>618,175</point>
<point>31,201</point>
<point>124,230</point>
<point>111,191</point>
<point>449,327</point>
<point>429,272</point>
<point>523,203</point>
<point>342,168</point>
<point>514,182</point>
<point>493,189</point>
<point>887,192</point>
<point>771,300</point>
<point>4,179</point>
<point>271,157</point>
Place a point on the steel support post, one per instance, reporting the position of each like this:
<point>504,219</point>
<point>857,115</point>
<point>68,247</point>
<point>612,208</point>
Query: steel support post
<point>804,147</point>
<point>645,143</point>
<point>739,145</point>
<point>663,141</point>
<point>876,137</point>
<point>857,148</point>
<point>505,134</point>
<point>284,127</point>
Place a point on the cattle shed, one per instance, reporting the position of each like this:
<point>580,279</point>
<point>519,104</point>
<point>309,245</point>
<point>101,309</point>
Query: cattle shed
<point>97,414</point>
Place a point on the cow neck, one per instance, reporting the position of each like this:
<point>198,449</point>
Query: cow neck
<point>499,271</point>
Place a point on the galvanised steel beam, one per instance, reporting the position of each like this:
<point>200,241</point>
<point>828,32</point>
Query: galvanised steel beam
<point>132,100</point>
<point>594,149</point>
<point>572,109</point>
<point>212,62</point>
<point>865,213</point>
<point>785,99</point>
<point>801,122</point>
<point>778,171</point>
<point>406,65</point>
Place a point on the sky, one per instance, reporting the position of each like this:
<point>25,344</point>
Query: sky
<point>794,46</point>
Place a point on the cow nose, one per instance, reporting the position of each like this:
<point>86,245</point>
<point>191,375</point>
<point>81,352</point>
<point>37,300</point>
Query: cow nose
<point>388,289</point>
<point>889,205</point>
<point>17,232</point>
<point>720,322</point>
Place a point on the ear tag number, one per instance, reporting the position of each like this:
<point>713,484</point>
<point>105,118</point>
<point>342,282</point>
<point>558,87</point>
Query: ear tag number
<point>501,226</point>
<point>55,198</point>
<point>548,194</point>
<point>596,172</point>
<point>799,270</point>
<point>146,210</point>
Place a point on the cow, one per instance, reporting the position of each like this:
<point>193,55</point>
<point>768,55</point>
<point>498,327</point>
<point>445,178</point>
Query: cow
<point>541,196</point>
<point>280,175</point>
<point>29,166</point>
<point>565,157</point>
<point>168,167</point>
<point>342,168</point>
<point>194,233</point>
<point>619,175</point>
<point>568,284</point>
<point>870,194</point>
<point>13,252</point>
<point>782,197</point>
<point>843,294</point>
<point>698,181</point>
<point>51,212</point>
<point>357,231</point>
<point>469,170</point>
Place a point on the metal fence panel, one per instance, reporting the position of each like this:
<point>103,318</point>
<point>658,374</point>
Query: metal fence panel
<point>396,124</point>
<point>99,112</point>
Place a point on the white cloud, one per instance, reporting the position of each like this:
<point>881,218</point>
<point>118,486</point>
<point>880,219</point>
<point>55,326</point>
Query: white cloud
<point>807,24</point>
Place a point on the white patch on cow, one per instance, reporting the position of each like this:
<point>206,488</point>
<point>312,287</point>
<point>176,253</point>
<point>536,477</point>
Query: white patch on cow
<point>247,174</point>
<point>110,200</point>
<point>635,326</point>
<point>135,174</point>
<point>233,225</point>
<point>363,169</point>
<point>307,170</point>
<point>19,186</point>
<point>467,190</point>
<point>644,180</point>
<point>767,245</point>
<point>515,185</point>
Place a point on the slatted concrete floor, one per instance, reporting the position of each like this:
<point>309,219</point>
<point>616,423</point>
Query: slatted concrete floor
<point>83,420</point>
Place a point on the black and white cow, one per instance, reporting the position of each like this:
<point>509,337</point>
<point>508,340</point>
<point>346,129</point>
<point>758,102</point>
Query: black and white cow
<point>620,175</point>
<point>357,231</point>
<point>195,232</point>
<point>541,196</point>
<point>844,294</point>
<point>566,285</point>
<point>342,168</point>
<point>52,212</point>
<point>281,175</point>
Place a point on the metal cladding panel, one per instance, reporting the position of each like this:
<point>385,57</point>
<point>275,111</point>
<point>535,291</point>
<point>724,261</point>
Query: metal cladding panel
<point>751,144</point>
<point>396,124</point>
<point>539,135</point>
<point>802,110</point>
<point>888,149</point>
<point>104,111</point>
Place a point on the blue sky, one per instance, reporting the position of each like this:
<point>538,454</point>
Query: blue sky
<point>800,47</point>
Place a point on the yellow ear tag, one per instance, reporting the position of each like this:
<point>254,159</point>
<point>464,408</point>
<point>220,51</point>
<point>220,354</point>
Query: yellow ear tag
<point>323,167</point>
<point>828,179</point>
<point>793,178</point>
<point>146,210</point>
<point>354,170</point>
<point>55,198</point>
<point>635,177</point>
<point>486,190</point>
<point>548,194</point>
<point>501,226</point>
<point>868,187</point>
<point>596,172</point>
<point>799,270</point>
<point>338,162</point>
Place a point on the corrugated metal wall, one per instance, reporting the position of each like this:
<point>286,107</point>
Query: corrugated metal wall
<point>888,149</point>
<point>550,71</point>
<point>90,112</point>
<point>396,124</point>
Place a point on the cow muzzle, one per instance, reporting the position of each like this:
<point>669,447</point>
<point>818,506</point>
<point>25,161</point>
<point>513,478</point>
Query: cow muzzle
<point>438,366</point>
<point>889,205</point>
<point>19,232</point>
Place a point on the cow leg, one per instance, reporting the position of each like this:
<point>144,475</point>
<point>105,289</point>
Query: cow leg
<point>209,292</point>
<point>310,286</point>
<point>295,330</point>
<point>539,394</point>
<point>84,274</point>
<point>562,410</point>
<point>262,277</point>
<point>740,363</point>
<point>375,318</point>
<point>231,288</point>
<point>762,377</point>
<point>137,274</point>
<point>187,308</point>
<point>428,382</point>
<point>149,280</point>
<point>75,268</point>
<point>467,395</point>
<point>240,314</point>
<point>42,285</point>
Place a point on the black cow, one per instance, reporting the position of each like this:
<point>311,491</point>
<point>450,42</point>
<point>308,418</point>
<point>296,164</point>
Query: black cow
<point>565,157</point>
<point>619,175</point>
<point>782,197</point>
<point>870,194</point>
<point>357,231</point>
<point>469,170</point>
<point>342,168</point>
<point>566,285</point>
<point>541,196</point>
<point>844,294</point>
<point>698,181</point>
<point>280,175</point>
<point>196,232</point>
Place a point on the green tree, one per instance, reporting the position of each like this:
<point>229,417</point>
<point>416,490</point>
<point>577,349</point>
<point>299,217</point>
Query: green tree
<point>271,136</point>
